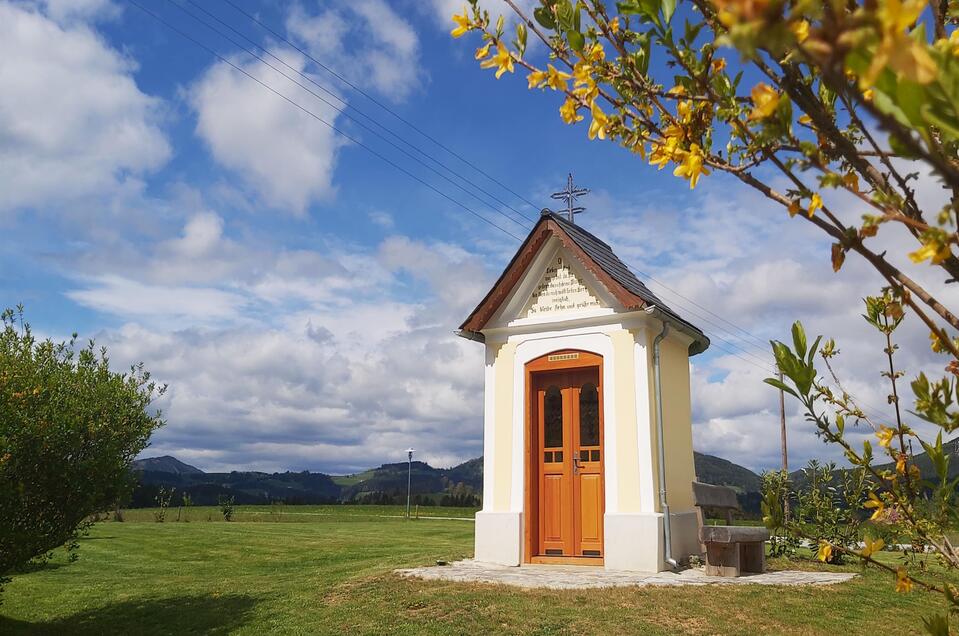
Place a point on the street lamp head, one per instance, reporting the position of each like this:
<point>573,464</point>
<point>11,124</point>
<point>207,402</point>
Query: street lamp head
<point>409,453</point>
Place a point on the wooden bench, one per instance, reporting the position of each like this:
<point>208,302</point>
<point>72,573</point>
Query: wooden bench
<point>730,550</point>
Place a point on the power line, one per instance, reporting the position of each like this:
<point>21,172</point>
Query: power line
<point>761,364</point>
<point>716,336</point>
<point>361,92</point>
<point>323,121</point>
<point>381,105</point>
<point>348,116</point>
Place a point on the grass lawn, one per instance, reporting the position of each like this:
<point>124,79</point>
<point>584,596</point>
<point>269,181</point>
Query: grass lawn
<point>331,574</point>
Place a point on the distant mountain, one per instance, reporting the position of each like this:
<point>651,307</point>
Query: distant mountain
<point>166,464</point>
<point>722,472</point>
<point>460,485</point>
<point>950,448</point>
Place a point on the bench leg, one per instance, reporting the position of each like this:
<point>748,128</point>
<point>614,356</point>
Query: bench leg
<point>753,557</point>
<point>722,559</point>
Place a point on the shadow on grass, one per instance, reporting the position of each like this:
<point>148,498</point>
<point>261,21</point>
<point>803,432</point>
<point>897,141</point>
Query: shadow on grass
<point>176,615</point>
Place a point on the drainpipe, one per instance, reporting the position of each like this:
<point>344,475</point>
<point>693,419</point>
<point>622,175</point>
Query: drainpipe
<point>658,390</point>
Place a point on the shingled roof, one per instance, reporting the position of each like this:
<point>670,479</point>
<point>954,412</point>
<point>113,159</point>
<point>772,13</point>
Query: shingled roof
<point>597,257</point>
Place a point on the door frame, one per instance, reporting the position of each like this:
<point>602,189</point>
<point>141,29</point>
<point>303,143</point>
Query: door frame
<point>558,360</point>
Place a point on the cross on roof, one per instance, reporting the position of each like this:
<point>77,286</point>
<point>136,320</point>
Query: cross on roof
<point>569,195</point>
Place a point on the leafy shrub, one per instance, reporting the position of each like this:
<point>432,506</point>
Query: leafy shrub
<point>226,507</point>
<point>776,491</point>
<point>828,506</point>
<point>69,430</point>
<point>163,499</point>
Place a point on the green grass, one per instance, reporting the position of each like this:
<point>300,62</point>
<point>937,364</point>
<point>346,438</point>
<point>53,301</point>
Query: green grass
<point>332,574</point>
<point>352,480</point>
<point>282,513</point>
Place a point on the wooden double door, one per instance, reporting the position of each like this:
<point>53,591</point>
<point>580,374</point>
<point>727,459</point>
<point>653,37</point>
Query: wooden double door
<point>567,422</point>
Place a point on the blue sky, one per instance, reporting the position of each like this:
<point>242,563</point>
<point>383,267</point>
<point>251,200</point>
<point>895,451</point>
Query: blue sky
<point>299,294</point>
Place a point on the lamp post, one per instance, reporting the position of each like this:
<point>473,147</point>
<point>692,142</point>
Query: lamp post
<point>409,479</point>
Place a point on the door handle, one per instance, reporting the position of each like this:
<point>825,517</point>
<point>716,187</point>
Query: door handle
<point>575,465</point>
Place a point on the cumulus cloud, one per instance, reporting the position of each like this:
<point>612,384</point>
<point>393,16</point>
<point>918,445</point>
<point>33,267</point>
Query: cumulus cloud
<point>74,121</point>
<point>281,152</point>
<point>365,41</point>
<point>727,251</point>
<point>328,359</point>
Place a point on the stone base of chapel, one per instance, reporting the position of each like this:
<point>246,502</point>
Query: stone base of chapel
<point>499,537</point>
<point>633,541</point>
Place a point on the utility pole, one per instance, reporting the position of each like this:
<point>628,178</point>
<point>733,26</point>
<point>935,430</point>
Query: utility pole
<point>782,433</point>
<point>409,479</point>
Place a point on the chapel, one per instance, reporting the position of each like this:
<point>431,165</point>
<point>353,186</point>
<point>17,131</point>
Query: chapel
<point>588,455</point>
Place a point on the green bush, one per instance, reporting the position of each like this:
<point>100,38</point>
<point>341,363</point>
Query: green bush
<point>69,431</point>
<point>226,507</point>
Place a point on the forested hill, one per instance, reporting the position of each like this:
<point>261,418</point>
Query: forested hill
<point>459,485</point>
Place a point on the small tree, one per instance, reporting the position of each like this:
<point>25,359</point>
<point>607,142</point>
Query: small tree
<point>919,510</point>
<point>69,431</point>
<point>163,499</point>
<point>226,507</point>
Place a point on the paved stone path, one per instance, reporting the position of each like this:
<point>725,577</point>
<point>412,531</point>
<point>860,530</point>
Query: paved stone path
<point>571,577</point>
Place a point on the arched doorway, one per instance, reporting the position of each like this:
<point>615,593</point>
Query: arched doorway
<point>564,460</point>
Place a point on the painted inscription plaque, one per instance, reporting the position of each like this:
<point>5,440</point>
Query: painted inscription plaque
<point>560,290</point>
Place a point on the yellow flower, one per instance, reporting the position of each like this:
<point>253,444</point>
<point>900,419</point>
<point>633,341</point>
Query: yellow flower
<point>872,547</point>
<point>614,25</point>
<point>536,79</point>
<point>935,250</point>
<point>825,551</point>
<point>663,153</point>
<point>569,111</point>
<point>793,208</point>
<point>897,49</point>
<point>483,51</point>
<point>814,204</point>
<point>638,146</point>
<point>597,127</point>
<point>885,435</point>
<point>851,181</point>
<point>718,64</point>
<point>595,53</point>
<point>936,342</point>
<point>583,73</point>
<point>805,119</point>
<point>765,99</point>
<point>557,79</point>
<point>503,61</point>
<point>800,30</point>
<point>875,502</point>
<point>462,24</point>
<point>692,166</point>
<point>954,42</point>
<point>903,582</point>
<point>901,464</point>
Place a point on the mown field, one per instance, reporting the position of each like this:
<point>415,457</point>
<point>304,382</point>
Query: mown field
<point>330,572</point>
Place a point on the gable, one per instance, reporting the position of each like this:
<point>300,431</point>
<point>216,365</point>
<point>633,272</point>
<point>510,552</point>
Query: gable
<point>601,282</point>
<point>560,290</point>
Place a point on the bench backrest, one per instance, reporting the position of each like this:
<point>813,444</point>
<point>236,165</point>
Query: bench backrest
<point>715,497</point>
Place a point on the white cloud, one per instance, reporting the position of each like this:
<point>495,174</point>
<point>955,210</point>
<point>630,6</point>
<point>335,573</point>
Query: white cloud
<point>67,10</point>
<point>744,259</point>
<point>116,295</point>
<point>283,153</point>
<point>365,41</point>
<point>345,380</point>
<point>74,121</point>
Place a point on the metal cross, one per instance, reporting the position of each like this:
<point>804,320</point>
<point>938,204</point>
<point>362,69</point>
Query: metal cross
<point>569,195</point>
